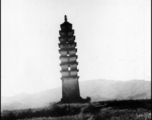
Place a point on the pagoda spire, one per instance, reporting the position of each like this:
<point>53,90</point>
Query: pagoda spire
<point>65,18</point>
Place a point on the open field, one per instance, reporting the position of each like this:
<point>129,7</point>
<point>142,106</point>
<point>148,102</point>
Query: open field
<point>104,110</point>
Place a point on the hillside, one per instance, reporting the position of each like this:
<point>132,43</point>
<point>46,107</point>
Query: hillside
<point>98,90</point>
<point>101,110</point>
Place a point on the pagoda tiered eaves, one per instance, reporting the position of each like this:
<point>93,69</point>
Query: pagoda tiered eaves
<point>65,51</point>
<point>65,45</point>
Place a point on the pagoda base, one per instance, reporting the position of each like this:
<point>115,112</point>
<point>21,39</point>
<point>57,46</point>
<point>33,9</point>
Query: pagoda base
<point>74,100</point>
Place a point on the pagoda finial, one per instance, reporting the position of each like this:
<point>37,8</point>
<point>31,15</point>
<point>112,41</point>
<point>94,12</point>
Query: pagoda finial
<point>65,18</point>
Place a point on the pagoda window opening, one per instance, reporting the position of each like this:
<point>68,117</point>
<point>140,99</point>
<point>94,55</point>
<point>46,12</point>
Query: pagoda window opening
<point>69,68</point>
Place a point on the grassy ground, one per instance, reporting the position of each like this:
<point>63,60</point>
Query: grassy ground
<point>105,110</point>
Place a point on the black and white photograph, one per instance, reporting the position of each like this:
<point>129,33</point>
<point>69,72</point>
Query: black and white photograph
<point>76,59</point>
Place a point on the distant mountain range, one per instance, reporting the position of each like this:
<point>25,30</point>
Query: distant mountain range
<point>98,90</point>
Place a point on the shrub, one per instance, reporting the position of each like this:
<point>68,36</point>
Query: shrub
<point>88,99</point>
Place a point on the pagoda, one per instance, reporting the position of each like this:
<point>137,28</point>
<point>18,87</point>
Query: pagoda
<point>69,71</point>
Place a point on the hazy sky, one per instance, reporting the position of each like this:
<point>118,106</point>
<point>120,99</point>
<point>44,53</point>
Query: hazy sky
<point>113,41</point>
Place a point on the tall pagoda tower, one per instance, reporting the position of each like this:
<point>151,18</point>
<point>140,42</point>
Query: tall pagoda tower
<point>69,71</point>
